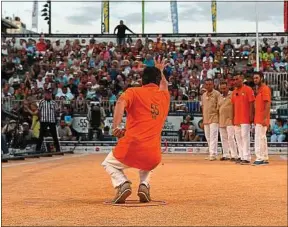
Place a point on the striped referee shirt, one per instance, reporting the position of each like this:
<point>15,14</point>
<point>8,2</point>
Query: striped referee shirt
<point>47,109</point>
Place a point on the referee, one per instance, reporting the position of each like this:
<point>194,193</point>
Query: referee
<point>47,117</point>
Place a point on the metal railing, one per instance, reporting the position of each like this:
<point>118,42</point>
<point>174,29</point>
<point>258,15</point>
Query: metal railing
<point>80,107</point>
<point>278,82</point>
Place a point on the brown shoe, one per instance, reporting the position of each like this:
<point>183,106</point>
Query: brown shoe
<point>123,191</point>
<point>144,193</point>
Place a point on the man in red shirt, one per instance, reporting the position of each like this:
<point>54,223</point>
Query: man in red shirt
<point>147,108</point>
<point>243,107</point>
<point>41,46</point>
<point>261,119</point>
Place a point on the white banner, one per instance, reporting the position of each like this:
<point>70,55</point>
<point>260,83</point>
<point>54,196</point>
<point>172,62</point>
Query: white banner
<point>35,15</point>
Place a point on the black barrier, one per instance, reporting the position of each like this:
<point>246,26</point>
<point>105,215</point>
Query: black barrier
<point>150,35</point>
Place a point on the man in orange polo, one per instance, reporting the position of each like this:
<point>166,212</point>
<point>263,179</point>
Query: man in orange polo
<point>243,107</point>
<point>261,119</point>
<point>139,145</point>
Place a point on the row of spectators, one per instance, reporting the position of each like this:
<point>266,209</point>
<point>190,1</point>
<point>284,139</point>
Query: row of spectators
<point>102,70</point>
<point>77,71</point>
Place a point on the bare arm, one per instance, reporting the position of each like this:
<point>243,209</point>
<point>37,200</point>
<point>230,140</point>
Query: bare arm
<point>233,114</point>
<point>251,114</point>
<point>115,29</point>
<point>266,111</point>
<point>118,115</point>
<point>163,83</point>
<point>129,30</point>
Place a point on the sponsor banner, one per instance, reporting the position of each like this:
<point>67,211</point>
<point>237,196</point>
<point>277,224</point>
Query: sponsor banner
<point>105,19</point>
<point>283,145</point>
<point>167,147</point>
<point>172,123</point>
<point>174,16</point>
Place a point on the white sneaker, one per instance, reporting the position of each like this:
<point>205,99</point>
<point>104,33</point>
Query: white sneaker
<point>5,156</point>
<point>212,158</point>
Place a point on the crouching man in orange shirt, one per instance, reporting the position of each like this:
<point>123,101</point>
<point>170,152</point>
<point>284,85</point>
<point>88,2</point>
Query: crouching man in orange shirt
<point>139,145</point>
<point>261,119</point>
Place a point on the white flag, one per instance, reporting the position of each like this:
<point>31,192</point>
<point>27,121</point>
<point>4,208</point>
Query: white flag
<point>35,15</point>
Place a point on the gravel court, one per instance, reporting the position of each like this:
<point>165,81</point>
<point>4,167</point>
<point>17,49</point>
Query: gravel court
<point>72,190</point>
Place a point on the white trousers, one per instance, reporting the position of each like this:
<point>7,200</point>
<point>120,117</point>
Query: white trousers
<point>115,169</point>
<point>227,135</point>
<point>211,134</point>
<point>260,146</point>
<point>242,134</point>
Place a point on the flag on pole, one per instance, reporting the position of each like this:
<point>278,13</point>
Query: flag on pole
<point>286,16</point>
<point>174,16</point>
<point>105,17</point>
<point>35,15</point>
<point>143,16</point>
<point>214,15</point>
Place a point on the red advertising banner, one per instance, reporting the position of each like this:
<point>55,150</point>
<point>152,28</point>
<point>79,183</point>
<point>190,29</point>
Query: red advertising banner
<point>285,15</point>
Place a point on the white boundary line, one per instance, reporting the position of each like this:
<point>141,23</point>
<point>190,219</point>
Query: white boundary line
<point>46,160</point>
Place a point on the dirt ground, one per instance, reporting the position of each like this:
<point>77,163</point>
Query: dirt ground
<point>70,190</point>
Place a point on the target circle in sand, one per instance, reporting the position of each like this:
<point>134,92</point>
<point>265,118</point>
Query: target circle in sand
<point>136,203</point>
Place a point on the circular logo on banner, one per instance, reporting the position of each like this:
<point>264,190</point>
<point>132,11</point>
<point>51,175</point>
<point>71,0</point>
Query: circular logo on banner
<point>97,149</point>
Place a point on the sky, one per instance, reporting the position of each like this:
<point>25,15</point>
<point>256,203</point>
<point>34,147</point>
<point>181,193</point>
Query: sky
<point>194,17</point>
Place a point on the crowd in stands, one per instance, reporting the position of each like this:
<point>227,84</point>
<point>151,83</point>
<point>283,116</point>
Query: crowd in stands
<point>76,71</point>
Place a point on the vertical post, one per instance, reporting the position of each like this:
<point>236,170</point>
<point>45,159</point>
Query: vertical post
<point>102,15</point>
<point>257,37</point>
<point>143,16</point>
<point>50,18</point>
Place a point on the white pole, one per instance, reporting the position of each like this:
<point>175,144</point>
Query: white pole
<point>257,37</point>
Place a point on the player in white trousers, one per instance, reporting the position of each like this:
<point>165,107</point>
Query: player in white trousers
<point>209,102</point>
<point>261,119</point>
<point>226,127</point>
<point>139,145</point>
<point>243,106</point>
<point>115,169</point>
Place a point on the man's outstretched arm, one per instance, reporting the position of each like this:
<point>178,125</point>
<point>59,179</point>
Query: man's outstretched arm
<point>163,83</point>
<point>115,29</point>
<point>118,115</point>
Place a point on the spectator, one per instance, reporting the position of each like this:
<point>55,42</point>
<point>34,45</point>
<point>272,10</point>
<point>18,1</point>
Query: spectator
<point>107,136</point>
<point>26,137</point>
<point>121,29</point>
<point>279,131</point>
<point>11,131</point>
<point>74,65</point>
<point>187,130</point>
<point>64,132</point>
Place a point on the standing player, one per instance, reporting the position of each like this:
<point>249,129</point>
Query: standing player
<point>261,119</point>
<point>226,127</point>
<point>147,108</point>
<point>209,101</point>
<point>243,101</point>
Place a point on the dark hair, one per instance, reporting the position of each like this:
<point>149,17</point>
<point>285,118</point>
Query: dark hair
<point>208,79</point>
<point>106,128</point>
<point>222,82</point>
<point>151,75</point>
<point>238,73</point>
<point>259,73</point>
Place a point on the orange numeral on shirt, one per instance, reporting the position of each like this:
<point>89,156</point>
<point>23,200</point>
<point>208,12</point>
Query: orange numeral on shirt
<point>154,110</point>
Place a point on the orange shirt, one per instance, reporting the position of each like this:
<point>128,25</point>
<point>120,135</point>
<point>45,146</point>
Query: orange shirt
<point>147,109</point>
<point>241,98</point>
<point>263,95</point>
